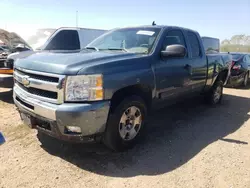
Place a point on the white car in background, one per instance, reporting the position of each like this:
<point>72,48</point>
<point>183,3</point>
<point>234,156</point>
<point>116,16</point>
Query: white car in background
<point>65,39</point>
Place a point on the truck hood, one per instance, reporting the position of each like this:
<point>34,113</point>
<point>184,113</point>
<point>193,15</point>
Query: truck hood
<point>67,63</point>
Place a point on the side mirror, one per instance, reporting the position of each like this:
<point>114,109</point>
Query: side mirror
<point>175,50</point>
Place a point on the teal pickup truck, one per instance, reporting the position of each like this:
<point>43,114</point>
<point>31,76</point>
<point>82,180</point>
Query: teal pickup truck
<point>105,91</point>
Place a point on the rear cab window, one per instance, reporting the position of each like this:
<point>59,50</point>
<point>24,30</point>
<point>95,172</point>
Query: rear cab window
<point>211,45</point>
<point>194,44</point>
<point>64,40</point>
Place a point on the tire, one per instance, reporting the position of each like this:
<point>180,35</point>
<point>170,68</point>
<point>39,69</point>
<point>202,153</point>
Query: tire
<point>116,136</point>
<point>215,94</point>
<point>245,81</point>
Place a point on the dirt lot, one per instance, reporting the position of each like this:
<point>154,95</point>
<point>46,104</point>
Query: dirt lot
<point>188,145</point>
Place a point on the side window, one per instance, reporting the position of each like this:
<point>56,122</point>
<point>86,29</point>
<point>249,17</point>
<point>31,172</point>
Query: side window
<point>195,44</point>
<point>174,37</point>
<point>64,40</point>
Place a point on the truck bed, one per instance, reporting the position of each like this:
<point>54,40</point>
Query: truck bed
<point>215,62</point>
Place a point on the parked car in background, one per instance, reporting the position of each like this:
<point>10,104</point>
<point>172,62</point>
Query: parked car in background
<point>240,72</point>
<point>4,52</point>
<point>21,48</point>
<point>5,47</point>
<point>105,91</point>
<point>63,40</point>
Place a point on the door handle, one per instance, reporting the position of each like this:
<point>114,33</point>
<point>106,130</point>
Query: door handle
<point>187,66</point>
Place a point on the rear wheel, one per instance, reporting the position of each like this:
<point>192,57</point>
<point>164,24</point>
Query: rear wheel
<point>245,82</point>
<point>215,95</point>
<point>125,124</point>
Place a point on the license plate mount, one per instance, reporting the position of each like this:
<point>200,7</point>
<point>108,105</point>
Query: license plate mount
<point>28,120</point>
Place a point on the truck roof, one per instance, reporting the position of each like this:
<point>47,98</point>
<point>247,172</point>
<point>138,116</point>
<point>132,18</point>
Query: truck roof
<point>205,37</point>
<point>79,28</point>
<point>160,26</point>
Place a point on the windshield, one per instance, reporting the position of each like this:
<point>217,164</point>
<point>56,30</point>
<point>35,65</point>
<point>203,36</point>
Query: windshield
<point>135,40</point>
<point>237,57</point>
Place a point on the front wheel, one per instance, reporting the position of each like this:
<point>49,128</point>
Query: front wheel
<point>215,95</point>
<point>125,124</point>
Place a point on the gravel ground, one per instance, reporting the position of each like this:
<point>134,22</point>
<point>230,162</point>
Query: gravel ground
<point>187,145</point>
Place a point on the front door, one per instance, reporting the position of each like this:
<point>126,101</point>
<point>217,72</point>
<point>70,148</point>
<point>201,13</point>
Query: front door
<point>172,74</point>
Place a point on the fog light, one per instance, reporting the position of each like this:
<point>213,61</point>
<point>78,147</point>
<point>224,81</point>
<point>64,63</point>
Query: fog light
<point>73,129</point>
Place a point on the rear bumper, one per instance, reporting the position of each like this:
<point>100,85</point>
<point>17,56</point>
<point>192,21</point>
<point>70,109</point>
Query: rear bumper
<point>6,80</point>
<point>52,119</point>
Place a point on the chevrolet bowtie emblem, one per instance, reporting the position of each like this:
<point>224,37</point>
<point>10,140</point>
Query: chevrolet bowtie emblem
<point>25,80</point>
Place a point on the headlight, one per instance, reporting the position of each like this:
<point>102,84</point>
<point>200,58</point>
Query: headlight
<point>84,88</point>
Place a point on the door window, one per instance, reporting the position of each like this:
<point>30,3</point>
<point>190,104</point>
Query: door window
<point>174,37</point>
<point>195,44</point>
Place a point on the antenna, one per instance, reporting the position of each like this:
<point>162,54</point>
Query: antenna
<point>77,18</point>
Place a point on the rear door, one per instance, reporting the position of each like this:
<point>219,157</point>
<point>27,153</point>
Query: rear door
<point>172,76</point>
<point>197,62</point>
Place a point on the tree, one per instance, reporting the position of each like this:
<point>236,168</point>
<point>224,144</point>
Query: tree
<point>237,43</point>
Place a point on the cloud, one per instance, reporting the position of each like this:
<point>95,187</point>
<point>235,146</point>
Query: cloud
<point>23,30</point>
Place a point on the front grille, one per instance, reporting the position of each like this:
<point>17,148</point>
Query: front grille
<point>39,92</point>
<point>39,77</point>
<point>40,85</point>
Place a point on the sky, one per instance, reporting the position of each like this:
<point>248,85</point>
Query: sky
<point>216,18</point>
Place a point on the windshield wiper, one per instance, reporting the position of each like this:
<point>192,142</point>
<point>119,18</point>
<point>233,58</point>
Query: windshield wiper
<point>121,49</point>
<point>92,48</point>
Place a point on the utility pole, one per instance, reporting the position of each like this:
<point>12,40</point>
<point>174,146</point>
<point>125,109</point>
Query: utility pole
<point>76,18</point>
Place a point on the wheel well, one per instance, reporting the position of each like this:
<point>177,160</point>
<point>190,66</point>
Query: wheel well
<point>222,76</point>
<point>142,91</point>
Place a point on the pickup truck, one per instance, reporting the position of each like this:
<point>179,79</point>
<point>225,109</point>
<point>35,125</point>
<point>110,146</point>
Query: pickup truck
<point>106,91</point>
<point>64,39</point>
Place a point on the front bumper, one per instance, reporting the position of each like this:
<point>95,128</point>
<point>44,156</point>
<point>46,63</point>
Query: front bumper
<point>52,119</point>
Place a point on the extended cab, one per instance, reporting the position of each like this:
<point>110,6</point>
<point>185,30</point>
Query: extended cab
<point>106,90</point>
